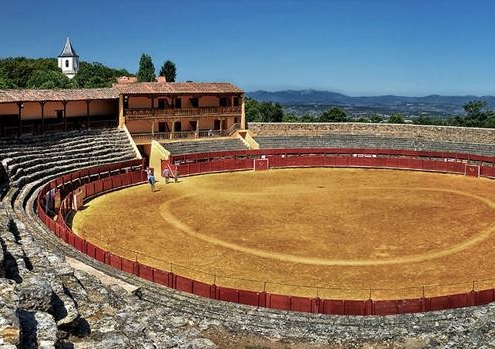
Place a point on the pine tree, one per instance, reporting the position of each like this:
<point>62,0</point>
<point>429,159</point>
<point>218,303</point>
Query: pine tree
<point>169,71</point>
<point>146,71</point>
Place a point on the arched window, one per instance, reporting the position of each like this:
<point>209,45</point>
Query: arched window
<point>67,63</point>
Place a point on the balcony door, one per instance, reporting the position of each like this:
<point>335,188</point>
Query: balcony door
<point>163,127</point>
<point>216,124</point>
<point>177,126</point>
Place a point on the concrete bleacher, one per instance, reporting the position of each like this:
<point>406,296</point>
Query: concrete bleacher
<point>371,142</point>
<point>204,145</point>
<point>29,159</point>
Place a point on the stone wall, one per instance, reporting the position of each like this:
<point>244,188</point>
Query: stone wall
<point>434,133</point>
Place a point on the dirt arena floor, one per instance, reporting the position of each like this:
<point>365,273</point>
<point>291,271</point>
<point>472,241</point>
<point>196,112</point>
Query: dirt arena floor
<point>335,233</point>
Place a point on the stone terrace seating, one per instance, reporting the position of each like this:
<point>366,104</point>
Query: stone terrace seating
<point>28,159</point>
<point>370,141</point>
<point>204,146</point>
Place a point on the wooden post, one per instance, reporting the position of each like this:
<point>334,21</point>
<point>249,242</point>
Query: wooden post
<point>20,106</point>
<point>42,104</point>
<point>64,102</point>
<point>243,113</point>
<point>87,112</point>
<point>122,98</point>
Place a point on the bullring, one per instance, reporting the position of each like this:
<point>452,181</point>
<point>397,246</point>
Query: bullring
<point>26,184</point>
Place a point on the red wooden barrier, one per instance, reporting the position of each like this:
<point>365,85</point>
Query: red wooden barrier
<point>201,289</point>
<point>135,177</point>
<point>437,303</point>
<point>355,307</point>
<point>301,304</point>
<point>278,301</point>
<point>126,179</point>
<point>145,272</point>
<point>90,189</point>
<point>336,307</point>
<point>80,244</point>
<point>227,294</point>
<point>162,277</point>
<point>486,171</point>
<point>409,306</point>
<point>385,307</point>
<point>116,181</point>
<point>129,266</point>
<point>461,300</point>
<point>114,261</point>
<point>91,250</point>
<point>249,298</point>
<point>98,186</point>
<point>70,237</point>
<point>485,297</point>
<point>107,184</point>
<point>216,166</point>
<point>183,284</point>
<point>100,254</point>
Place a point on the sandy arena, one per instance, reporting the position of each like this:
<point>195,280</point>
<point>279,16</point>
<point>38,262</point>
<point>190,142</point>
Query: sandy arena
<point>332,233</point>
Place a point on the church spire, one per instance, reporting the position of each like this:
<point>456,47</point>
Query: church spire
<point>68,60</point>
<point>68,50</point>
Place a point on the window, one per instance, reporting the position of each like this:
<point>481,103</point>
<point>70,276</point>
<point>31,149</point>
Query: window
<point>194,102</point>
<point>224,102</point>
<point>161,103</point>
<point>163,127</point>
<point>236,101</point>
<point>178,103</point>
<point>67,63</point>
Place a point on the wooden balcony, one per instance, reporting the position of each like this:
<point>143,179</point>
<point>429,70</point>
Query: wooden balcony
<point>147,137</point>
<point>148,113</point>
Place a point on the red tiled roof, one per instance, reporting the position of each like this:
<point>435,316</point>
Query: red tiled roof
<point>7,96</point>
<point>177,88</point>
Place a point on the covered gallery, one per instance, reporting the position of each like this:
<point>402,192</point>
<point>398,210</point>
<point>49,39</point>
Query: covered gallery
<point>149,110</point>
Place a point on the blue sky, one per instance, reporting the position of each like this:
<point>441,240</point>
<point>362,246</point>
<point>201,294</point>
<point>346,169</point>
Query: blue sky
<point>356,47</point>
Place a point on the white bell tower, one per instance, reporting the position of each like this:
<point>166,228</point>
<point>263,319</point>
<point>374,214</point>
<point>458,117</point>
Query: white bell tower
<point>68,60</point>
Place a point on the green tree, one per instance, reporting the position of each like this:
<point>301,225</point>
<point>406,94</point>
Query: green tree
<point>48,79</point>
<point>4,82</point>
<point>396,119</point>
<point>333,115</point>
<point>429,120</point>
<point>290,117</point>
<point>308,118</point>
<point>96,75</point>
<point>263,111</point>
<point>376,118</point>
<point>475,114</point>
<point>146,70</point>
<point>169,71</point>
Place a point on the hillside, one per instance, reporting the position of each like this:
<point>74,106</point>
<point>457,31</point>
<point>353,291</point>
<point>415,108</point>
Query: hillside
<point>313,100</point>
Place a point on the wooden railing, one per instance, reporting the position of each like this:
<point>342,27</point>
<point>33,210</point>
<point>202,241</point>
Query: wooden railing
<point>158,113</point>
<point>147,137</point>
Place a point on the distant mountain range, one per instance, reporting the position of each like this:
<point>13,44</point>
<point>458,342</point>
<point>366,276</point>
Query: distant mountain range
<point>432,104</point>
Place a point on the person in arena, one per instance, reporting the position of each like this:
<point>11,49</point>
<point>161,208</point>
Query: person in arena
<point>166,174</point>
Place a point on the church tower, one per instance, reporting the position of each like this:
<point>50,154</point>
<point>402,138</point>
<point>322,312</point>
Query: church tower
<point>68,60</point>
